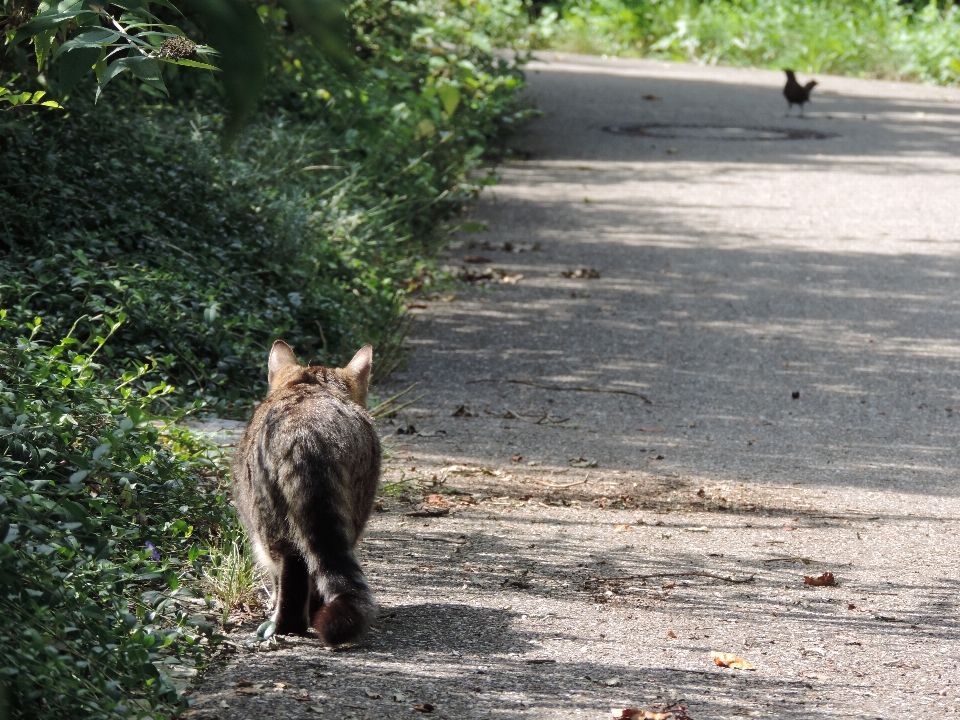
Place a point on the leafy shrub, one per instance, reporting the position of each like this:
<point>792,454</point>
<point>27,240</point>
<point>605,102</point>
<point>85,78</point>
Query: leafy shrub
<point>102,516</point>
<point>313,228</point>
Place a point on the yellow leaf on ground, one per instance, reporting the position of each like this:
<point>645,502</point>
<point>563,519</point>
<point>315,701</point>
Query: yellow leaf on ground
<point>729,660</point>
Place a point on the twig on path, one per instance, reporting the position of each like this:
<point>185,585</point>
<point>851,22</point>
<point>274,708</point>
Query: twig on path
<point>564,485</point>
<point>696,573</point>
<point>570,388</point>
<point>805,561</point>
<point>431,538</point>
<point>514,415</point>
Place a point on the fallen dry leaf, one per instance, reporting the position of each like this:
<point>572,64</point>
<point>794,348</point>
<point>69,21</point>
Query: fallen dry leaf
<point>824,580</point>
<point>623,528</point>
<point>476,259</point>
<point>425,708</point>
<point>642,714</point>
<point>661,712</point>
<point>729,660</point>
<point>435,499</point>
<point>671,634</point>
<point>471,275</point>
<point>244,683</point>
<point>417,306</point>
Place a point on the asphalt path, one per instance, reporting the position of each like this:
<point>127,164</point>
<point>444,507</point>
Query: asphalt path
<point>731,362</point>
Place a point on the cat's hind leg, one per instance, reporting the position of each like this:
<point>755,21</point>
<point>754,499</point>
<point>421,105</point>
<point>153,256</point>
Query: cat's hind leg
<point>293,596</point>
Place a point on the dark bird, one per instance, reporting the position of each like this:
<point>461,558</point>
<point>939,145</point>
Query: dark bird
<point>795,93</point>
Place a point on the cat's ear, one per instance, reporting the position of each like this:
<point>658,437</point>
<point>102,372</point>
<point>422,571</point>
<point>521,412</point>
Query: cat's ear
<point>281,356</point>
<point>358,371</point>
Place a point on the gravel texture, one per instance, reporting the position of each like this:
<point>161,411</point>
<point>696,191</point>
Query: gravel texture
<point>630,471</point>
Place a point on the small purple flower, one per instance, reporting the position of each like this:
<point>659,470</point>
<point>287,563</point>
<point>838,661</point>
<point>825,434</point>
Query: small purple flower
<point>154,553</point>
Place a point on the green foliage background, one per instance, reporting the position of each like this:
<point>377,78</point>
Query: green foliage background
<point>869,38</point>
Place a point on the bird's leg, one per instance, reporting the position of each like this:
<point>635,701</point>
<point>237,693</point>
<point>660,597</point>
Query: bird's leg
<point>789,108</point>
<point>801,109</point>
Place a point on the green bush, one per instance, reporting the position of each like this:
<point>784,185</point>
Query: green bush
<point>870,38</point>
<point>313,228</point>
<point>102,517</point>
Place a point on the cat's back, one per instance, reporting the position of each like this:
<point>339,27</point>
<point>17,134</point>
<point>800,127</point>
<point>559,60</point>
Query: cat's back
<point>309,413</point>
<point>312,418</point>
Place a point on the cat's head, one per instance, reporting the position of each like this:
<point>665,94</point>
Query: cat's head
<point>284,370</point>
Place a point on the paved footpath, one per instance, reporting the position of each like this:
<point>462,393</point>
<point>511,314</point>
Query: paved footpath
<point>620,477</point>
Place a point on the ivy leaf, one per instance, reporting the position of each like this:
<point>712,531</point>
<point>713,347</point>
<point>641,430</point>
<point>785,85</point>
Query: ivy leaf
<point>266,629</point>
<point>450,97</point>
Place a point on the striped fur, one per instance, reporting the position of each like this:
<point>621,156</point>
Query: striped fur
<point>304,480</point>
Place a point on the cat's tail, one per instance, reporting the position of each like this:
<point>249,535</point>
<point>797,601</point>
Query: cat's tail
<point>346,607</point>
<point>345,619</point>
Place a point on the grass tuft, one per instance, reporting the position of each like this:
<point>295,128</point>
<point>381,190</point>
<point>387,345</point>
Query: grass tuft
<point>232,575</point>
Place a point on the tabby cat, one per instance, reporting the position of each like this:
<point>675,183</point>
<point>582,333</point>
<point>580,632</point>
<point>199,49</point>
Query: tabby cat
<point>304,479</point>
